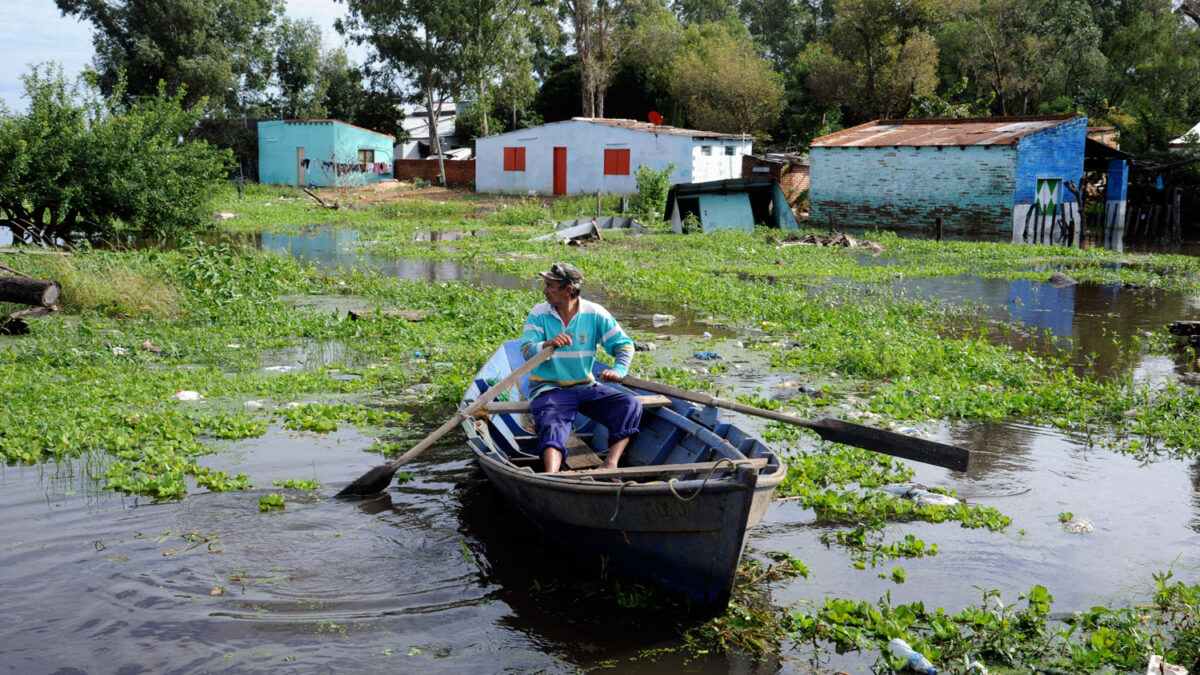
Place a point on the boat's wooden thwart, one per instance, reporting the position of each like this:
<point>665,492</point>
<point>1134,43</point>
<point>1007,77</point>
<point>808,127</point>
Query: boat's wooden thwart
<point>676,518</point>
<point>509,407</point>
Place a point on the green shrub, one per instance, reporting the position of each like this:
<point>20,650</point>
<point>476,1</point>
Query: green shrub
<point>78,165</point>
<point>653,186</point>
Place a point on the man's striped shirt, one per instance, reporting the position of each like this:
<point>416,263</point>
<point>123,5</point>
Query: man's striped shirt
<point>571,366</point>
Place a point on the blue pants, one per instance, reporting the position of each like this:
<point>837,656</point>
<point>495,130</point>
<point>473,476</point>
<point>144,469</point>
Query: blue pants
<point>554,413</point>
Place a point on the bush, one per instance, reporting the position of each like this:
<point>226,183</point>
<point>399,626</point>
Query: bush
<point>79,166</point>
<point>653,186</point>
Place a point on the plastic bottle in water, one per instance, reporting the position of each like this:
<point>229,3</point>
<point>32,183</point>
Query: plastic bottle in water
<point>915,660</point>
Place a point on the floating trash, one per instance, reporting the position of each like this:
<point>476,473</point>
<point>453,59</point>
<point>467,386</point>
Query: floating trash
<point>187,395</point>
<point>919,494</point>
<point>662,320</point>
<point>707,356</point>
<point>1079,525</point>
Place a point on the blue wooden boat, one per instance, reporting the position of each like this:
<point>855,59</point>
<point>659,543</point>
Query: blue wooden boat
<point>689,487</point>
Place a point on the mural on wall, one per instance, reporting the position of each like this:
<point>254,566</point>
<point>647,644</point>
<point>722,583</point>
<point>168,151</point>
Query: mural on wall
<point>1047,196</point>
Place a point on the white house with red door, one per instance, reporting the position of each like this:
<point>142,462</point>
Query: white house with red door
<point>585,155</point>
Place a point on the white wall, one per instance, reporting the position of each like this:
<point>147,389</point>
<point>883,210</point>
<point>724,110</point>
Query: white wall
<point>717,165</point>
<point>585,143</point>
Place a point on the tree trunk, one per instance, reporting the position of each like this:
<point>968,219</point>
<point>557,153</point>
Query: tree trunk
<point>432,114</point>
<point>483,107</point>
<point>37,292</point>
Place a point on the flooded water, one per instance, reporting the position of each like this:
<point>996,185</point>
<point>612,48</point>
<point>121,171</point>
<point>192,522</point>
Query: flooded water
<point>439,575</point>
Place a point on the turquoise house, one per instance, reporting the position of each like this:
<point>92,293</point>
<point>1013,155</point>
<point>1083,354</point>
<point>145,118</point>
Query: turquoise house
<point>322,153</point>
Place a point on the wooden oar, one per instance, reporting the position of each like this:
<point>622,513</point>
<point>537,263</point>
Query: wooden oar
<point>377,479</point>
<point>870,438</point>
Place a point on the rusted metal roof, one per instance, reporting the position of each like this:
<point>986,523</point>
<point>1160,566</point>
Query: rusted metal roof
<point>662,129</point>
<point>932,132</point>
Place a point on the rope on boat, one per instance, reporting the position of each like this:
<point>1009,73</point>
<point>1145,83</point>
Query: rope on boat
<point>733,464</point>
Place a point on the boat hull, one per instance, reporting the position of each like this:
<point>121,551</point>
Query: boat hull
<point>682,534</point>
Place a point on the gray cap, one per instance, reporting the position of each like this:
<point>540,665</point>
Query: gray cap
<point>565,273</point>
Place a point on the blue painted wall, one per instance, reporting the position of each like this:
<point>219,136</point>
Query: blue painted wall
<point>726,212</point>
<point>326,143</point>
<point>1056,152</point>
<point>905,188</point>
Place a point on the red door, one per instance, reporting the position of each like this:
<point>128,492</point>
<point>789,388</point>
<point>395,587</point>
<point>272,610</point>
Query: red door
<point>560,171</point>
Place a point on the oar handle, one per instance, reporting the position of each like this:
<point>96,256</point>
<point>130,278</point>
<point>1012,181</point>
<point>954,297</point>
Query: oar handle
<point>484,398</point>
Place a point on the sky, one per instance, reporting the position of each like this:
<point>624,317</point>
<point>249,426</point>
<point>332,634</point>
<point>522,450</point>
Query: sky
<point>34,31</point>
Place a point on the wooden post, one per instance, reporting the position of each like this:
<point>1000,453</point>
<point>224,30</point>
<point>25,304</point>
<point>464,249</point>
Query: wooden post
<point>940,230</point>
<point>1176,226</point>
<point>597,203</point>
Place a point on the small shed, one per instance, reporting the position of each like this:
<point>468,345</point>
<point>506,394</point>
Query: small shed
<point>735,204</point>
<point>994,178</point>
<point>586,155</point>
<point>322,153</point>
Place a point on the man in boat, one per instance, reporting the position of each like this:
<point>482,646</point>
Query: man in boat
<point>563,385</point>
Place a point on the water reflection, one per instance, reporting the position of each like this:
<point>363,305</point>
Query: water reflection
<point>1098,320</point>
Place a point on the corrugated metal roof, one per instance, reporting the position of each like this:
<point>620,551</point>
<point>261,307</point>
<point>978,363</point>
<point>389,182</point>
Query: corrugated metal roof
<point>979,131</point>
<point>662,129</point>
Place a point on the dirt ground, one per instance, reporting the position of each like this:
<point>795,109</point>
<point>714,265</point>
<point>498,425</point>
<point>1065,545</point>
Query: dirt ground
<point>401,190</point>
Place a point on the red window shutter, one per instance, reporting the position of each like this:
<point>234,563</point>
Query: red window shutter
<point>514,159</point>
<point>616,162</point>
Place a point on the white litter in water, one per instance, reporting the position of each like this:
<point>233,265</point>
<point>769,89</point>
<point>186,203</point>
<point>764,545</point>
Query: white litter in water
<point>119,351</point>
<point>187,395</point>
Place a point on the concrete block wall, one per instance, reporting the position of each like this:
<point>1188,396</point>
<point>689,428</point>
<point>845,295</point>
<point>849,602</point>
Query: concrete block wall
<point>459,172</point>
<point>792,178</point>
<point>906,188</point>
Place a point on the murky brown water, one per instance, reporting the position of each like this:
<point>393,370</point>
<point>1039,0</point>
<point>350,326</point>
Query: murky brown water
<point>439,575</point>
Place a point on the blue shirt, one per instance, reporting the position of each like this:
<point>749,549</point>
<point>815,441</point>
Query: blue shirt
<point>571,366</point>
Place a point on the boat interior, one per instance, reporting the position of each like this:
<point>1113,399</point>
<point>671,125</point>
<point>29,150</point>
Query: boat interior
<point>672,432</point>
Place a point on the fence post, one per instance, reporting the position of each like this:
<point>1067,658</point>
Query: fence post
<point>940,230</point>
<point>1176,225</point>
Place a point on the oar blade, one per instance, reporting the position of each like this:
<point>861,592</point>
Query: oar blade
<point>894,444</point>
<point>372,482</point>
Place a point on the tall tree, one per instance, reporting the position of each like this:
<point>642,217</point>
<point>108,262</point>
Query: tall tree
<point>298,65</point>
<point>422,41</point>
<point>724,85</point>
<point>1028,52</point>
<point>782,27</point>
<point>497,37</point>
<point>603,32</point>
<point>216,49</point>
<point>878,55</point>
